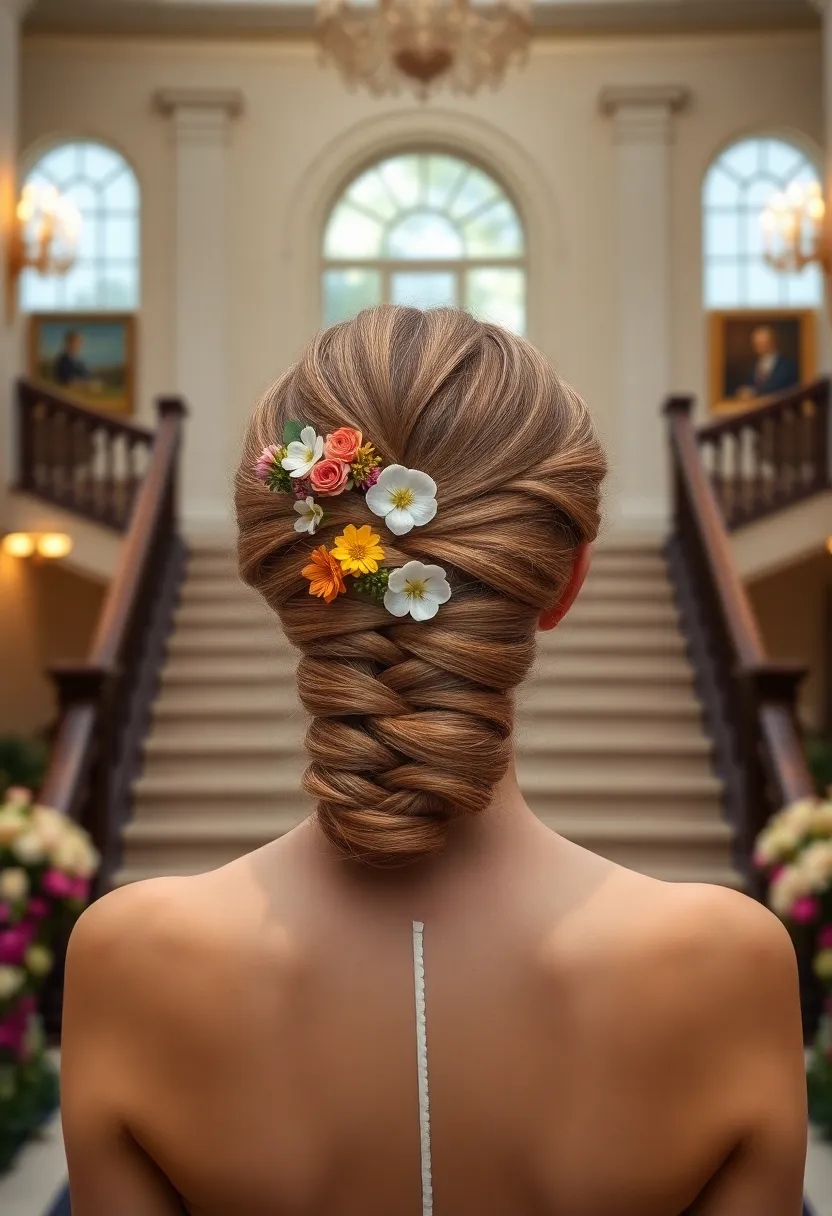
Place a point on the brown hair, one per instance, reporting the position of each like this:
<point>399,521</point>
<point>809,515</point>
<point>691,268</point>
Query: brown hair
<point>411,721</point>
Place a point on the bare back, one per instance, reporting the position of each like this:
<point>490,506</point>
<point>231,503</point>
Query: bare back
<point>599,1042</point>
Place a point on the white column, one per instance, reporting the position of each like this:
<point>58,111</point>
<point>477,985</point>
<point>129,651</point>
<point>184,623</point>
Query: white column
<point>11,14</point>
<point>200,123</point>
<point>642,129</point>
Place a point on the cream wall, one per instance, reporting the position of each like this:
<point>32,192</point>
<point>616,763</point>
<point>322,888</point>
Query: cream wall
<point>302,134</point>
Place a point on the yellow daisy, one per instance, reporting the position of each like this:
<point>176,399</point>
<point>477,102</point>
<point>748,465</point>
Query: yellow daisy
<point>358,550</point>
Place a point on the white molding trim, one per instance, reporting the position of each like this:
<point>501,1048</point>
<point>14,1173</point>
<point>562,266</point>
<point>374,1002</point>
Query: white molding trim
<point>368,141</point>
<point>230,102</point>
<point>616,97</point>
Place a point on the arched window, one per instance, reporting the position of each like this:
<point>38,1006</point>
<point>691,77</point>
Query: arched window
<point>104,189</point>
<point>737,188</point>
<point>425,228</point>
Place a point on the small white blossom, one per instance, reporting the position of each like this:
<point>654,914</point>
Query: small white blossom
<point>405,497</point>
<point>303,453</point>
<point>39,959</point>
<point>11,981</point>
<point>310,515</point>
<point>12,823</point>
<point>417,589</point>
<point>14,883</point>
<point>29,848</point>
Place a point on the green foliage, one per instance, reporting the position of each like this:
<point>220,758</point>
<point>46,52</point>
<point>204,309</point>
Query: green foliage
<point>28,1096</point>
<point>291,431</point>
<point>22,762</point>
<point>373,585</point>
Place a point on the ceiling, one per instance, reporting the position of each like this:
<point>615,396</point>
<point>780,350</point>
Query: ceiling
<point>242,18</point>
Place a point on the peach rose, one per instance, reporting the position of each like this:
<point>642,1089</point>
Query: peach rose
<point>329,477</point>
<point>342,444</point>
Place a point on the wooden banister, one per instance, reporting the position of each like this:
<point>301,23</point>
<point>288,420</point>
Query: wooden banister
<point>771,455</point>
<point>83,460</point>
<point>749,701</point>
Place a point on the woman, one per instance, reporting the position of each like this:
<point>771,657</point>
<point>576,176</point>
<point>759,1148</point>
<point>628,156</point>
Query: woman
<point>594,1042</point>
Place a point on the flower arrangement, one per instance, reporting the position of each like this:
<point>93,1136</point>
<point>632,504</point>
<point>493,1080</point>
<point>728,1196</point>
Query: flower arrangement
<point>794,850</point>
<point>46,866</point>
<point>309,464</point>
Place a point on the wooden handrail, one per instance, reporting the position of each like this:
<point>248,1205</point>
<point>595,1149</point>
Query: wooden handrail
<point>749,701</point>
<point>84,460</point>
<point>771,455</point>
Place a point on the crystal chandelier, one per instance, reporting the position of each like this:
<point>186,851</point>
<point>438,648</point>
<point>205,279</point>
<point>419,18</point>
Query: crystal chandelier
<point>387,45</point>
<point>794,229</point>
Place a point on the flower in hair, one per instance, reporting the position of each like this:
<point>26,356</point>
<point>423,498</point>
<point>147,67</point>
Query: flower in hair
<point>330,477</point>
<point>358,550</point>
<point>267,460</point>
<point>310,515</point>
<point>303,453</point>
<point>343,444</point>
<point>416,589</point>
<point>365,468</point>
<point>405,497</point>
<point>324,574</point>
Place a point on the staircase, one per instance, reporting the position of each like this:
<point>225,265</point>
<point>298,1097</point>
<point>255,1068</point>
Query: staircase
<point>610,745</point>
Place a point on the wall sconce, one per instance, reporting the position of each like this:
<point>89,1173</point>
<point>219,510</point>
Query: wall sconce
<point>36,544</point>
<point>44,236</point>
<point>794,229</point>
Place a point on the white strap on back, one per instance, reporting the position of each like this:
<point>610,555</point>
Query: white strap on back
<point>422,1065</point>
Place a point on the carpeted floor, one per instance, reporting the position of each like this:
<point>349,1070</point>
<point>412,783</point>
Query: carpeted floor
<point>61,1206</point>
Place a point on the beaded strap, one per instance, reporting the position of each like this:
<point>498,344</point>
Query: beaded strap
<point>422,1066</point>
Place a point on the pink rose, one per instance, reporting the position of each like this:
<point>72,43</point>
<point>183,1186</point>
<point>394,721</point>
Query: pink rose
<point>58,884</point>
<point>329,477</point>
<point>81,888</point>
<point>342,444</point>
<point>37,907</point>
<point>804,910</point>
<point>13,1034</point>
<point>825,938</point>
<point>14,942</point>
<point>776,871</point>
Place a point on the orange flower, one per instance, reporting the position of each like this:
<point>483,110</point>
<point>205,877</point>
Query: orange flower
<point>324,574</point>
<point>343,444</point>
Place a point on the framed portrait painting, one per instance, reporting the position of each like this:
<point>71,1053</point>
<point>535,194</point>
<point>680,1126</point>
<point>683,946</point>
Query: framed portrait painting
<point>758,352</point>
<point>89,357</point>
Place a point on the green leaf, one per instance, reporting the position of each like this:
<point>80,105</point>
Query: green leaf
<point>291,431</point>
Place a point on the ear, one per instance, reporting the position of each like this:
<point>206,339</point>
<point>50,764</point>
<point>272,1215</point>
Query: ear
<point>550,617</point>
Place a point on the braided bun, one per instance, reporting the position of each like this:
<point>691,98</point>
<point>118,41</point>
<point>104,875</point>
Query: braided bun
<point>411,721</point>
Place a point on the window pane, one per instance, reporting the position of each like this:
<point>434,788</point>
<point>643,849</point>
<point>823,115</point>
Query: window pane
<point>120,238</point>
<point>743,158</point>
<point>804,289</point>
<point>351,234</point>
<point>121,194</point>
<point>444,173</point>
<point>98,162</point>
<point>117,285</point>
<point>721,233</point>
<point>402,176</point>
<point>424,234</point>
<point>721,188</point>
<point>781,159</point>
<point>423,288</point>
<point>79,287</point>
<point>765,286</point>
<point>476,190</point>
<point>372,195</point>
<point>346,292</point>
<point>495,233</point>
<point>497,295</point>
<point>721,285</point>
<point>37,292</point>
<point>61,163</point>
<point>91,237</point>
<point>759,191</point>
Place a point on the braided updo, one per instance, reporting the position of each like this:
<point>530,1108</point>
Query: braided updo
<point>411,721</point>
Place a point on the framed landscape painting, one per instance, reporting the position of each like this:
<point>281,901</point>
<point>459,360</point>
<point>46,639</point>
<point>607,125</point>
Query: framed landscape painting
<point>756,353</point>
<point>89,357</point>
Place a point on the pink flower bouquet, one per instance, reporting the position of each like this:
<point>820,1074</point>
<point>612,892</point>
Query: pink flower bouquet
<point>47,863</point>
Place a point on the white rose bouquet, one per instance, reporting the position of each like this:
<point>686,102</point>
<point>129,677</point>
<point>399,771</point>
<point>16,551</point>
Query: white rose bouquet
<point>794,850</point>
<point>46,865</point>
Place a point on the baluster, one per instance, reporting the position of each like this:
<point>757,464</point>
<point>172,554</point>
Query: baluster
<point>109,503</point>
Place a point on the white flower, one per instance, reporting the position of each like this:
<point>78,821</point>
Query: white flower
<point>417,589</point>
<point>76,856</point>
<point>50,826</point>
<point>793,883</point>
<point>11,980</point>
<point>39,959</point>
<point>310,515</point>
<point>12,823</point>
<point>29,848</point>
<point>303,453</point>
<point>14,883</point>
<point>405,497</point>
